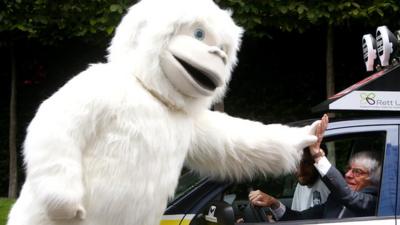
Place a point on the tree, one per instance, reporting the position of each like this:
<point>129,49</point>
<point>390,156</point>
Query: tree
<point>290,15</point>
<point>13,177</point>
<point>50,22</point>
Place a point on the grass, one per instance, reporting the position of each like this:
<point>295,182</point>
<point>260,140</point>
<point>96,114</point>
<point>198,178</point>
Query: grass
<point>5,206</point>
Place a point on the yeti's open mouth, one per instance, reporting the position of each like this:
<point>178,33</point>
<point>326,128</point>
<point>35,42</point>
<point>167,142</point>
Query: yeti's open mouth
<point>199,76</point>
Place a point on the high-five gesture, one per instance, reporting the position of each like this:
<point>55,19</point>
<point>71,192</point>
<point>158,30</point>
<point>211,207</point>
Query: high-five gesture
<point>315,149</point>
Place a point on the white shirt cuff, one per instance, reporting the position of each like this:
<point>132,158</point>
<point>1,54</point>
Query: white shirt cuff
<point>278,212</point>
<point>323,165</point>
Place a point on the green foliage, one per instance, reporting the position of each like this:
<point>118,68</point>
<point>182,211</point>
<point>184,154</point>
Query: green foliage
<point>52,21</point>
<point>5,206</point>
<point>291,15</point>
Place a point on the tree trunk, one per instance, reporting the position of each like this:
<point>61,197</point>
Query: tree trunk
<point>330,73</point>
<point>13,175</point>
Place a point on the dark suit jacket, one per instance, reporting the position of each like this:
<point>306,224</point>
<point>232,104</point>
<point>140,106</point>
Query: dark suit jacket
<point>353,203</point>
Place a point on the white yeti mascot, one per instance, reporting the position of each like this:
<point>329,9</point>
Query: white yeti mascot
<point>108,147</point>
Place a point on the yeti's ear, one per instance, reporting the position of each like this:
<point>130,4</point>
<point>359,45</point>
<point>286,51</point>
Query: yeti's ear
<point>229,11</point>
<point>127,33</point>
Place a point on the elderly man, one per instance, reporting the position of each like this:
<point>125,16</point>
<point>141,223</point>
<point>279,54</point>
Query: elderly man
<point>354,195</point>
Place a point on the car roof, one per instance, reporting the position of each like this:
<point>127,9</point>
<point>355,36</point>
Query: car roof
<point>352,121</point>
<point>377,92</point>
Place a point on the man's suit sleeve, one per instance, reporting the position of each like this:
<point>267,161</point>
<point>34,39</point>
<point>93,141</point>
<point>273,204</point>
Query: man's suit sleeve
<point>364,201</point>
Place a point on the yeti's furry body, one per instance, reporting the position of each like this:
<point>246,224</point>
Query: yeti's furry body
<point>108,147</point>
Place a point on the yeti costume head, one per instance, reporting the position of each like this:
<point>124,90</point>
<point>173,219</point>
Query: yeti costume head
<point>184,51</point>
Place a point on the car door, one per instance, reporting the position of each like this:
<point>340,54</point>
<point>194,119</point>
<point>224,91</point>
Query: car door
<point>343,141</point>
<point>389,134</point>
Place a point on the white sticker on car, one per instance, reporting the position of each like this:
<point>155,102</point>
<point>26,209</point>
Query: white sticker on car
<point>210,216</point>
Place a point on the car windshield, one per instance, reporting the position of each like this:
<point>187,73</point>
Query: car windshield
<point>187,181</point>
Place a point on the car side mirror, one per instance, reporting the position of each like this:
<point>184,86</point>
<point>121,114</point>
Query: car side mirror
<point>219,212</point>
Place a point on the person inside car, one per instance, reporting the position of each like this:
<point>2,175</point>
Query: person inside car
<point>310,190</point>
<point>354,195</point>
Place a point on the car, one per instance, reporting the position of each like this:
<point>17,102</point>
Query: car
<point>204,201</point>
<point>344,137</point>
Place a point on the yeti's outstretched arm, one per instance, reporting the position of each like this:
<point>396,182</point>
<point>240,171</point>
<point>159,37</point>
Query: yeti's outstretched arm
<point>53,151</point>
<point>233,148</point>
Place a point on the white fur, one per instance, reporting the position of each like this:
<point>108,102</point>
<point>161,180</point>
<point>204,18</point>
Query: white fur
<point>105,149</point>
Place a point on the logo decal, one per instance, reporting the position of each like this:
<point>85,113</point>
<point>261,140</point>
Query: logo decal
<point>367,98</point>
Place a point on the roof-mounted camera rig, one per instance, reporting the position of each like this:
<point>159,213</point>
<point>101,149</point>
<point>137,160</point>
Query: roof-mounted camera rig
<point>385,48</point>
<point>379,91</point>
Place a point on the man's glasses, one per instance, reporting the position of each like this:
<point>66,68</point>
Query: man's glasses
<point>356,171</point>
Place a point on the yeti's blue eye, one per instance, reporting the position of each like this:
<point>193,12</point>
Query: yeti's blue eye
<point>199,34</point>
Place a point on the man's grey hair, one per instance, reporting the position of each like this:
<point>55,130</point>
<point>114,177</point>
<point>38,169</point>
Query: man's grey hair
<point>371,161</point>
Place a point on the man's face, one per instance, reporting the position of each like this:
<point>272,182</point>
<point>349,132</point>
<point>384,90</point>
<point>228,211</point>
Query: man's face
<point>306,173</point>
<point>357,177</point>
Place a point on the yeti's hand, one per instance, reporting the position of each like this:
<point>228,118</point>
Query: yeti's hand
<point>65,209</point>
<point>307,136</point>
<point>316,147</point>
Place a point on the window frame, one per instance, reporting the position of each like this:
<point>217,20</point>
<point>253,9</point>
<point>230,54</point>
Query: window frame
<point>388,198</point>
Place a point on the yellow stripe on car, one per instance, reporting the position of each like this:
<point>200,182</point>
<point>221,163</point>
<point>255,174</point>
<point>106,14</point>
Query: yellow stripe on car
<point>177,219</point>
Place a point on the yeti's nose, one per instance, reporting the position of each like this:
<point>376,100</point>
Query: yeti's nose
<point>217,51</point>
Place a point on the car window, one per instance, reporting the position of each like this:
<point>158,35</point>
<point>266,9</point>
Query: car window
<point>187,181</point>
<point>341,148</point>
